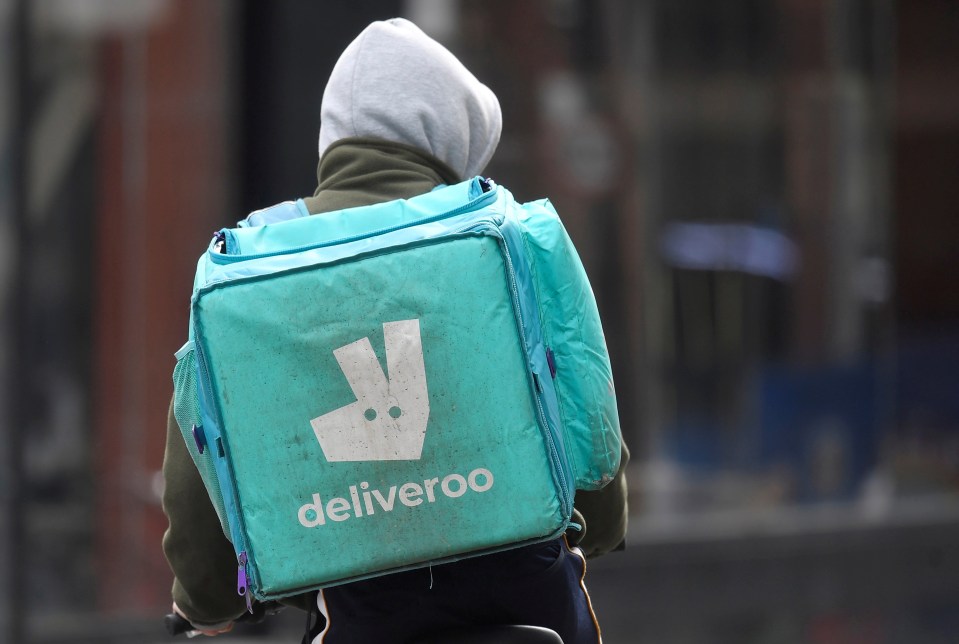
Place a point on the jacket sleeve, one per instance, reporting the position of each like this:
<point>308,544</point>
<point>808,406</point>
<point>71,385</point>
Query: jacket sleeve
<point>201,557</point>
<point>604,514</point>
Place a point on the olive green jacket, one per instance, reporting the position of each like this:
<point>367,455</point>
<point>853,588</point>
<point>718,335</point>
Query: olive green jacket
<point>352,172</point>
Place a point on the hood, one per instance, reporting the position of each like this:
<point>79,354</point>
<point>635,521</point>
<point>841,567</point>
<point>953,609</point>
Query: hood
<point>394,82</point>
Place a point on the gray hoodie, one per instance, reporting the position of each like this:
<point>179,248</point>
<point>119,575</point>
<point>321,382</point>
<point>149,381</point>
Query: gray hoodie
<point>394,82</point>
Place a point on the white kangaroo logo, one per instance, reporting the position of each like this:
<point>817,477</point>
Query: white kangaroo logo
<point>387,422</point>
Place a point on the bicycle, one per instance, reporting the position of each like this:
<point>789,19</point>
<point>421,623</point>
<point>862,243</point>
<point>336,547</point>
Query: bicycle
<point>491,634</point>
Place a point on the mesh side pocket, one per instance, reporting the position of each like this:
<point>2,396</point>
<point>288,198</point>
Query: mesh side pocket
<point>186,402</point>
<point>186,409</point>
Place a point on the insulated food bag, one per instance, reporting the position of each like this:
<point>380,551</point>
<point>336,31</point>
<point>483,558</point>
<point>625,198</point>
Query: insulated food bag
<point>392,386</point>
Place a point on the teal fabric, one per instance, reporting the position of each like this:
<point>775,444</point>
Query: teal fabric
<point>274,376</point>
<point>518,391</point>
<point>574,333</point>
<point>274,214</point>
<point>332,228</point>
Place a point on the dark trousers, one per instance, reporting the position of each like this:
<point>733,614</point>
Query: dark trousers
<point>539,585</point>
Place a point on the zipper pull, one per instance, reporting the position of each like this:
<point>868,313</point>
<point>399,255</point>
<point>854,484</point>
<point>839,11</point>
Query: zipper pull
<point>242,588</point>
<point>551,361</point>
<point>219,241</point>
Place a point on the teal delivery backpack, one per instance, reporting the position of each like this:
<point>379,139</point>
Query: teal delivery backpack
<point>392,386</point>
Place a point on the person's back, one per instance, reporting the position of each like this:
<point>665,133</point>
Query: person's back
<point>400,116</point>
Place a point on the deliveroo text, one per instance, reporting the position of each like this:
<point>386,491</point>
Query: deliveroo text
<point>410,494</point>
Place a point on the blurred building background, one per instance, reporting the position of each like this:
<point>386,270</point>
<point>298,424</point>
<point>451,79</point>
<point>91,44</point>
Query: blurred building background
<point>764,193</point>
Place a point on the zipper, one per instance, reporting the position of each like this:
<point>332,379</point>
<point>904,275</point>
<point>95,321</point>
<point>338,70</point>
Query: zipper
<point>205,378</point>
<point>242,587</point>
<point>489,191</point>
<point>239,542</point>
<point>541,413</point>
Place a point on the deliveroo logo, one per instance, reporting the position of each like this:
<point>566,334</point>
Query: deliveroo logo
<point>387,422</point>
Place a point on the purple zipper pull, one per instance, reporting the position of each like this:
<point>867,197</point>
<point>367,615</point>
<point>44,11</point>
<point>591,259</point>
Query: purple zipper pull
<point>551,361</point>
<point>241,585</point>
<point>242,588</point>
